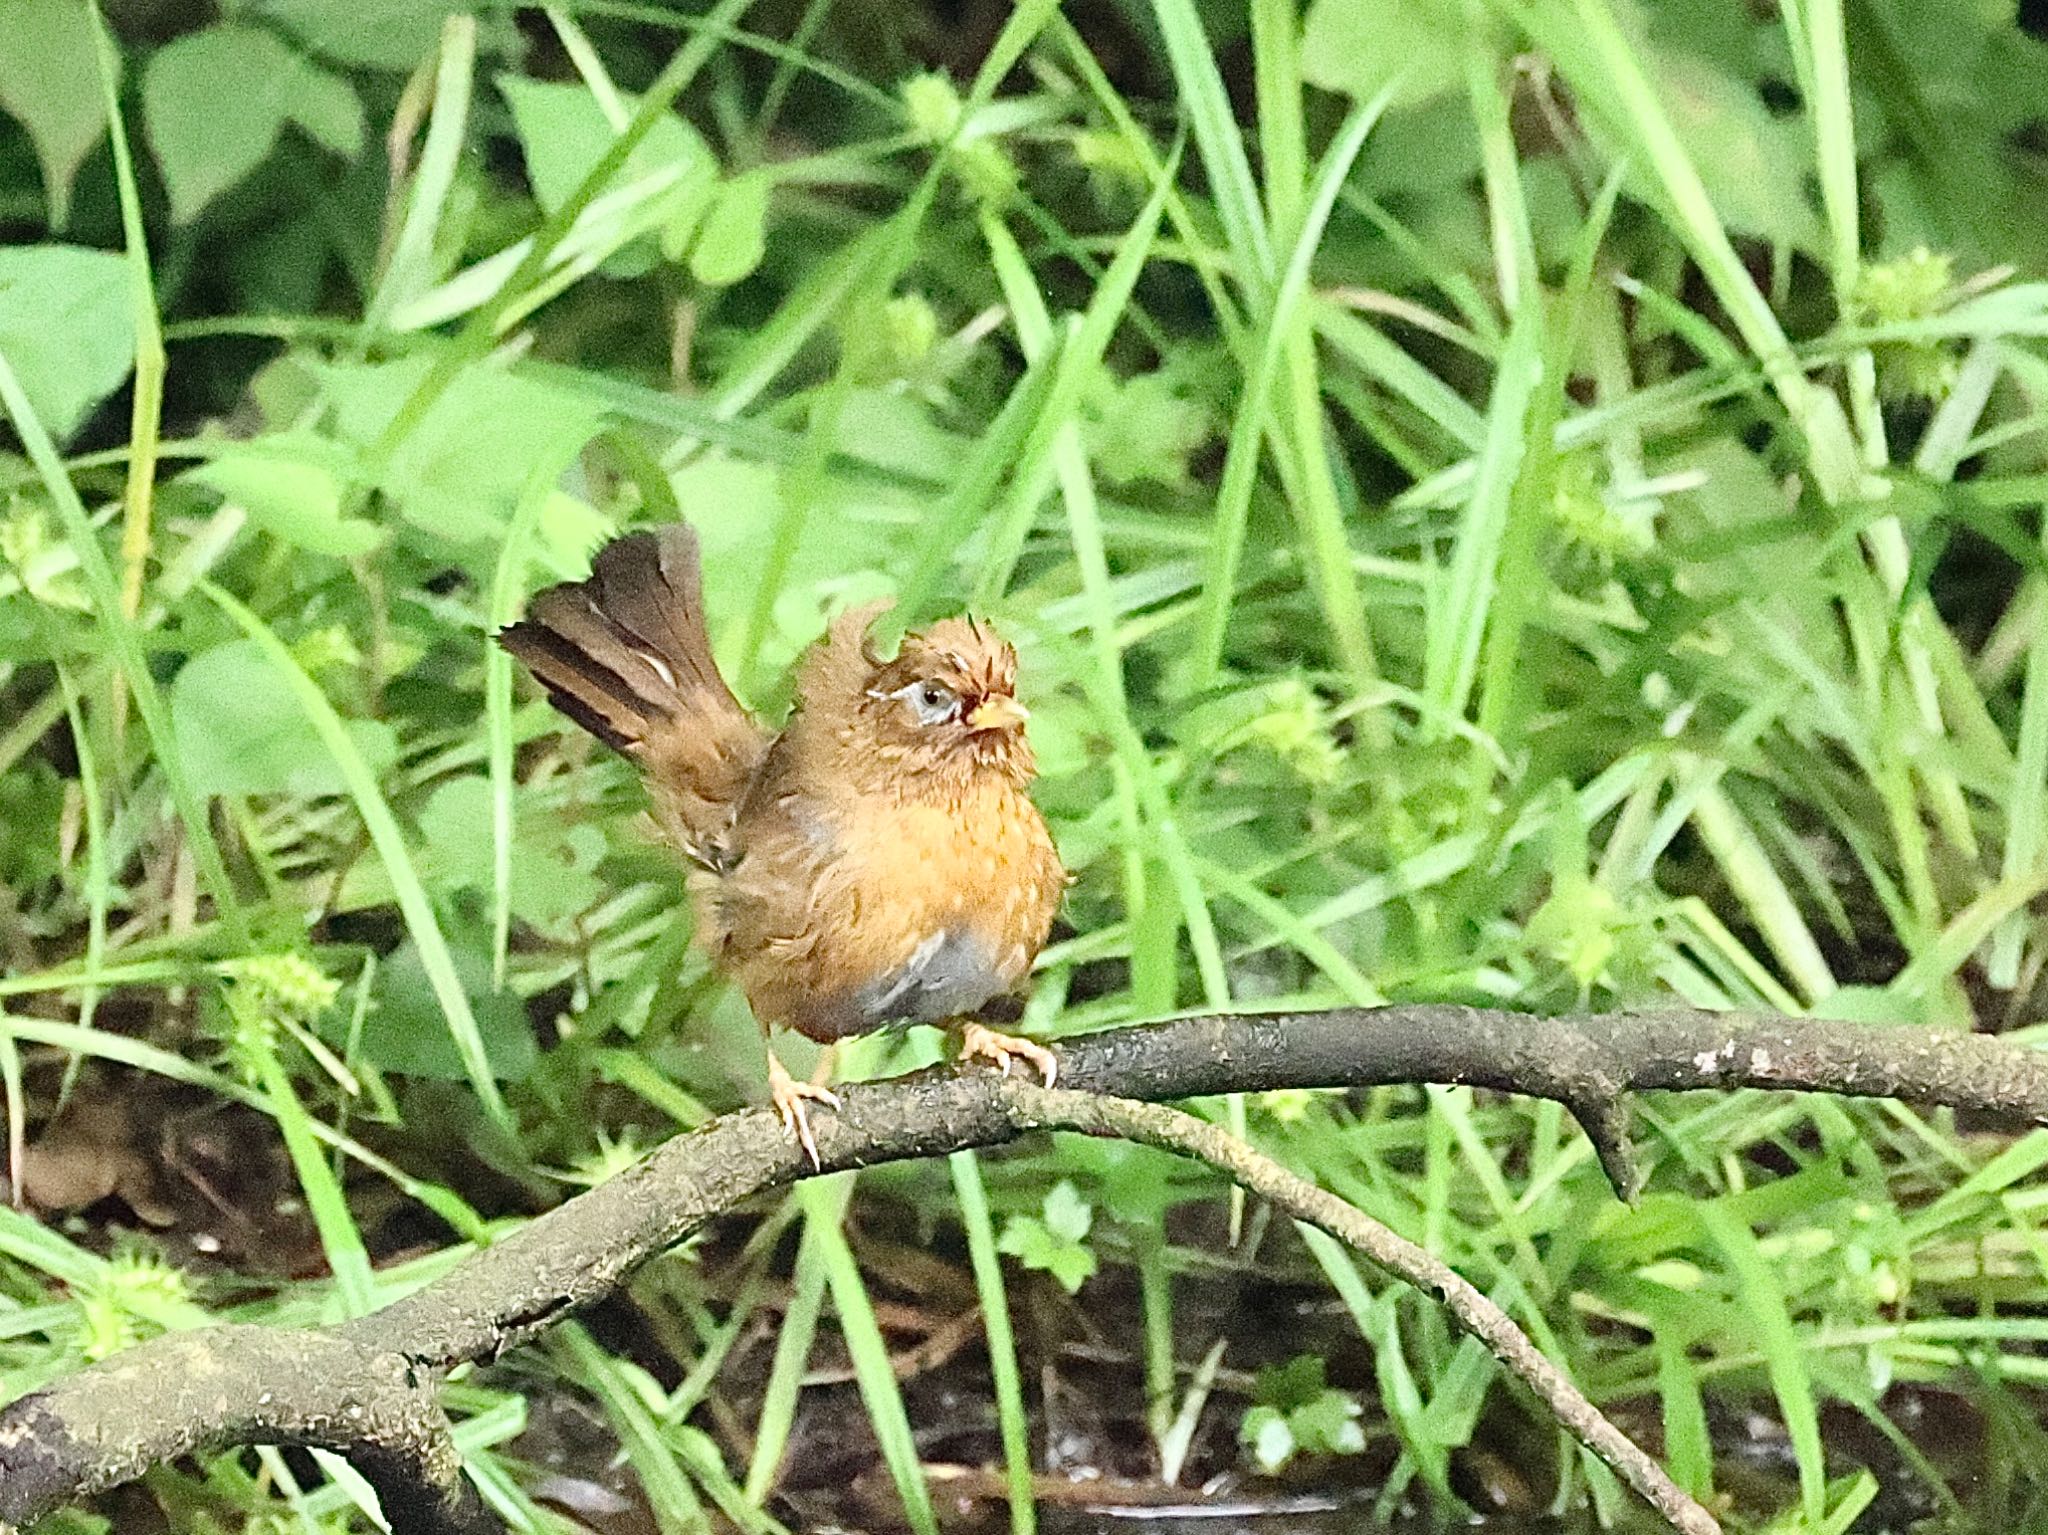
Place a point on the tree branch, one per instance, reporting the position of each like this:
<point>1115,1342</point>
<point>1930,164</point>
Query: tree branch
<point>1171,1130</point>
<point>240,1385</point>
<point>236,1384</point>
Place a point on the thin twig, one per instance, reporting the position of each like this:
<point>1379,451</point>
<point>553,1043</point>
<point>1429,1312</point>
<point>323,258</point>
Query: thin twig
<point>1172,1130</point>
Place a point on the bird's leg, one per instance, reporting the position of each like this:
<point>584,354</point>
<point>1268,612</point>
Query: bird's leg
<point>979,1042</point>
<point>789,1096</point>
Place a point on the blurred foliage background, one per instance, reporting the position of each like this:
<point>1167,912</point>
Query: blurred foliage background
<point>1526,501</point>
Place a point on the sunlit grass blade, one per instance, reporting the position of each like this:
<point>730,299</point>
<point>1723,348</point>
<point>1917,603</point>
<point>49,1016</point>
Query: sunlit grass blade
<point>2026,806</point>
<point>1532,498</point>
<point>480,331</point>
<point>1222,147</point>
<point>1078,359</point>
<point>1382,360</point>
<point>1289,928</point>
<point>1462,594</point>
<point>805,483</point>
<point>1592,52</point>
<point>952,518</point>
<point>1733,842</point>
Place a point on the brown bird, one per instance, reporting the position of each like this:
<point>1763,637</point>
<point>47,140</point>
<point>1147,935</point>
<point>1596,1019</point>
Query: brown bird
<point>878,862</point>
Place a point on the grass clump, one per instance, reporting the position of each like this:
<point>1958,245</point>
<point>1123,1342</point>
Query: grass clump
<point>1552,525</point>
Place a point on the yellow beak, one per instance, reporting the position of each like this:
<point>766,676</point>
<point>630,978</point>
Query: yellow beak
<point>997,712</point>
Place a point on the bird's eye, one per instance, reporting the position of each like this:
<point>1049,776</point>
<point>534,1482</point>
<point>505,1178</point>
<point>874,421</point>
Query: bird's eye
<point>934,702</point>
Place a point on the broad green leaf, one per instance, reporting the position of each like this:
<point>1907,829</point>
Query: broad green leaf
<point>34,554</point>
<point>381,34</point>
<point>1055,1244</point>
<point>1360,47</point>
<point>1145,427</point>
<point>66,328</point>
<point>457,474</point>
<point>553,868</point>
<point>51,82</point>
<point>565,132</point>
<point>1265,1433</point>
<point>1300,1412</point>
<point>407,1031</point>
<point>566,532</point>
<point>241,731</point>
<point>1755,166</point>
<point>215,102</point>
<point>31,795</point>
<point>1067,1214</point>
<point>735,232</point>
<point>297,500</point>
<point>737,506</point>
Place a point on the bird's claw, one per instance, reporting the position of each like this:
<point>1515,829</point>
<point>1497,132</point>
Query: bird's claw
<point>979,1042</point>
<point>789,1096</point>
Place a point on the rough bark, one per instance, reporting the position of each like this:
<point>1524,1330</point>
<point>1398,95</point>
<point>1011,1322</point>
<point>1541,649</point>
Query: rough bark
<point>368,1388</point>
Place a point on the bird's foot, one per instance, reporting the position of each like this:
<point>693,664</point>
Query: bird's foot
<point>979,1042</point>
<point>790,1096</point>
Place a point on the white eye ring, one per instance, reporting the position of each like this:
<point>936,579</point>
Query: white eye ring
<point>933,702</point>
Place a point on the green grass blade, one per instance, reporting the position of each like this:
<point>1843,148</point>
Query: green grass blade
<point>1762,1299</point>
<point>480,331</point>
<point>391,846</point>
<point>1247,430</point>
<point>1074,50</point>
<point>952,519</point>
<point>506,581</point>
<point>410,270</point>
<point>1530,510</point>
<point>348,1259</point>
<point>1207,104</point>
<point>98,878</point>
<point>1012,1414</point>
<point>99,1044</point>
<point>1594,54</point>
<point>873,1371</point>
<point>1688,1445</point>
<point>127,648</point>
<point>145,417</point>
<point>793,1342</point>
<point>671,1493</point>
<point>2026,806</point>
<point>1756,881</point>
<point>1076,365</point>
<point>1379,1325</point>
<point>1463,594</point>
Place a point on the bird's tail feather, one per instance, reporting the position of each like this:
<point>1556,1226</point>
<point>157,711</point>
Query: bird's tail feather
<point>625,654</point>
